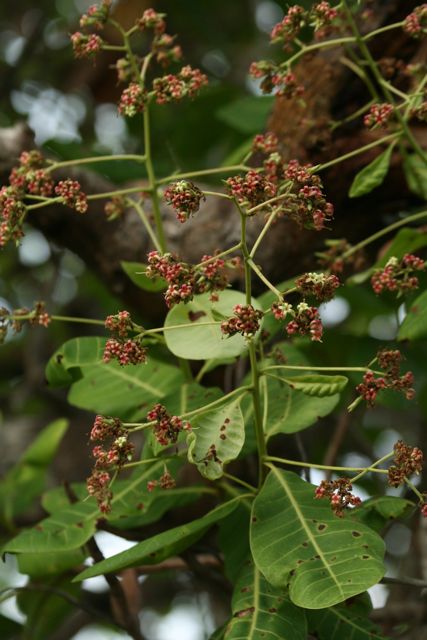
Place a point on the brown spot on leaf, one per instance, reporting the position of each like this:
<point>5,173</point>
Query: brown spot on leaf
<point>356,534</point>
<point>321,527</point>
<point>243,613</point>
<point>195,315</point>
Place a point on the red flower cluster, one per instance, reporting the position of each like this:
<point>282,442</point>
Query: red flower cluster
<point>31,175</point>
<point>184,279</point>
<point>246,320</point>
<point>288,29</point>
<point>96,16</point>
<point>164,482</point>
<point>407,461</point>
<point>306,204</point>
<point>389,361</point>
<point>133,100</point>
<point>339,494</point>
<point>252,189</point>
<point>72,195</point>
<point>121,348</point>
<point>37,316</point>
<point>415,24</point>
<point>12,214</point>
<point>86,46</point>
<point>322,15</point>
<point>306,321</point>
<point>319,285</point>
<point>167,427</point>
<point>173,88</point>
<point>266,143</point>
<point>397,275</point>
<point>151,19</point>
<point>115,208</point>
<point>274,77</point>
<point>378,115</point>
<point>184,197</point>
<point>165,51</point>
<point>118,451</point>
<point>332,258</point>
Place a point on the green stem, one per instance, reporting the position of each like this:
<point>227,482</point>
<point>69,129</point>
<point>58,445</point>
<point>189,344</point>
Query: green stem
<point>203,172</point>
<point>265,280</point>
<point>356,152</point>
<point>312,465</point>
<point>255,376</point>
<point>264,230</point>
<point>232,249</point>
<point>239,481</point>
<point>91,160</point>
<point>313,368</point>
<point>217,194</point>
<point>262,205</point>
<point>419,495</point>
<point>372,466</point>
<point>117,192</point>
<point>383,232</point>
<point>336,42</point>
<point>45,203</point>
<point>153,184</point>
<point>185,325</point>
<point>143,216</point>
<point>376,32</point>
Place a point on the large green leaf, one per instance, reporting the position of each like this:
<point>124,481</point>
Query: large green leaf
<point>204,340</point>
<point>136,272</point>
<point>114,390</point>
<point>377,512</point>
<point>372,175</point>
<point>39,565</point>
<point>26,480</point>
<point>414,325</point>
<point>262,611</point>
<point>416,174</point>
<point>10,630</point>
<point>297,540</point>
<point>163,545</point>
<point>349,620</point>
<point>235,555</point>
<point>316,385</point>
<point>71,526</point>
<point>73,354</point>
<point>221,431</point>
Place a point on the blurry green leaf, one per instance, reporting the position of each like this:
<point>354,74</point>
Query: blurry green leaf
<point>377,512</point>
<point>372,175</point>
<point>235,554</point>
<point>39,565</point>
<point>26,480</point>
<point>73,354</point>
<point>262,611</point>
<point>136,272</point>
<point>161,546</point>
<point>414,326</point>
<point>248,114</point>
<point>349,620</point>
<point>216,438</point>
<point>316,385</point>
<point>203,339</point>
<point>298,540</point>
<point>415,170</point>
<point>10,630</point>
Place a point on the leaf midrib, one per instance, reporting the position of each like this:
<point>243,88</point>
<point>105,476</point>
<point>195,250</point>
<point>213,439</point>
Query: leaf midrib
<point>312,539</point>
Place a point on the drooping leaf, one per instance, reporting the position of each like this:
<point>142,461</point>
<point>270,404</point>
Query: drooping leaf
<point>26,480</point>
<point>163,545</point>
<point>349,620</point>
<point>72,355</point>
<point>316,385</point>
<point>39,565</point>
<point>262,611</point>
<point>297,540</point>
<point>235,555</point>
<point>416,175</point>
<point>114,390</point>
<point>216,438</point>
<point>414,326</point>
<point>71,526</point>
<point>136,272</point>
<point>372,175</point>
<point>201,338</point>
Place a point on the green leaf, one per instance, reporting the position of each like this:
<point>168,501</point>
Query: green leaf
<point>136,272</point>
<point>297,540</point>
<point>10,630</point>
<point>290,411</point>
<point>415,170</point>
<point>317,385</point>
<point>372,175</point>
<point>414,325</point>
<point>39,565</point>
<point>377,512</point>
<point>161,546</point>
<point>26,480</point>
<point>222,429</point>
<point>73,355</point>
<point>262,611</point>
<point>71,526</point>
<point>248,114</point>
<point>114,390</point>
<point>349,620</point>
<point>235,555</point>
<point>202,341</point>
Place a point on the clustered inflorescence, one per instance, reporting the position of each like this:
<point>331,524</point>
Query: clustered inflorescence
<point>246,321</point>
<point>122,348</point>
<point>339,493</point>
<point>389,361</point>
<point>184,197</point>
<point>113,453</point>
<point>15,319</point>
<point>398,275</point>
<point>186,280</point>
<point>407,461</point>
<point>167,427</point>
